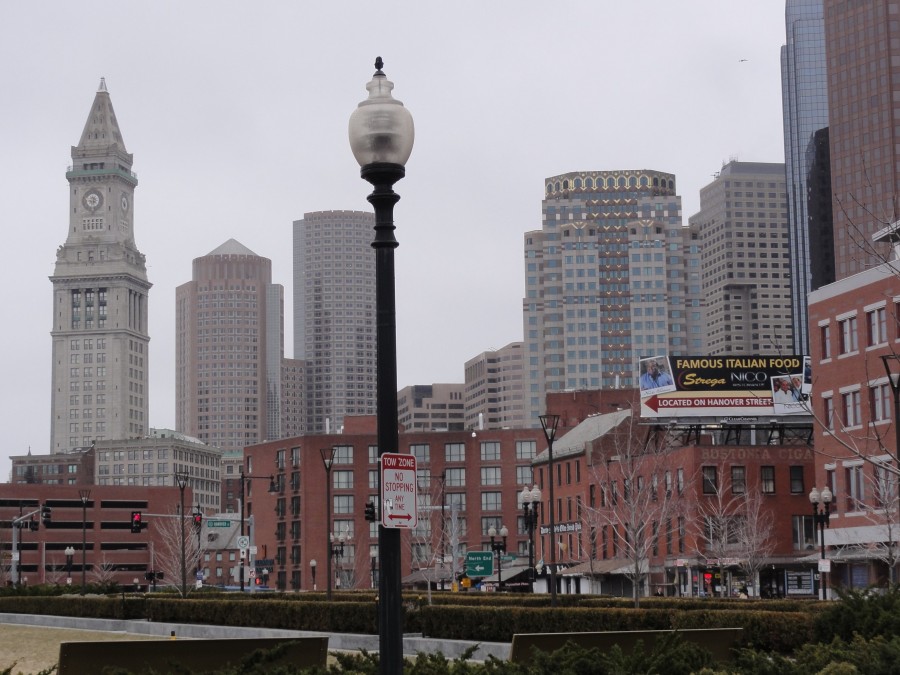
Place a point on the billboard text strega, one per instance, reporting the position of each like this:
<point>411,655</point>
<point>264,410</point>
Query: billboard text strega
<point>700,386</point>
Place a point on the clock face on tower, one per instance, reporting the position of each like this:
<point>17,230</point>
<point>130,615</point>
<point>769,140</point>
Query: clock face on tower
<point>92,200</point>
<point>124,202</point>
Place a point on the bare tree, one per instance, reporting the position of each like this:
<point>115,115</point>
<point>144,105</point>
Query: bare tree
<point>103,573</point>
<point>640,496</point>
<point>756,540</point>
<point>55,572</point>
<point>169,530</point>
<point>719,522</point>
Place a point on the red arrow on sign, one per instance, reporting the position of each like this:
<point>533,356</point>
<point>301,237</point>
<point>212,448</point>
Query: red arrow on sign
<point>405,516</point>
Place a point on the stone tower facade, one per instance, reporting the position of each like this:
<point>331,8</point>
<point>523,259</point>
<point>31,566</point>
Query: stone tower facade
<point>100,296</point>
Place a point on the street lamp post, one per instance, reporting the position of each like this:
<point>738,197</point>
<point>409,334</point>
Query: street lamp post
<point>549,424</point>
<point>531,500</point>
<point>243,482</point>
<point>381,137</point>
<point>892,367</point>
<point>336,551</point>
<point>499,547</point>
<point>84,495</point>
<point>312,568</point>
<point>821,517</point>
<point>70,553</point>
<point>181,480</point>
<point>328,461</point>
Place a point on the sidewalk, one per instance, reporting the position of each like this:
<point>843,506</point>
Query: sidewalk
<point>412,644</point>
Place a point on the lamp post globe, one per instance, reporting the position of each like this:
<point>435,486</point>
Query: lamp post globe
<point>381,135</point>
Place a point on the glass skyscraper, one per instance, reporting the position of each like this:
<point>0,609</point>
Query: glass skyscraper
<point>804,86</point>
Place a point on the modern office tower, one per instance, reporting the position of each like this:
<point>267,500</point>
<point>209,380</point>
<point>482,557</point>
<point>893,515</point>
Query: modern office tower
<point>432,407</point>
<point>334,315</point>
<point>229,346</point>
<point>862,46</point>
<point>494,395</point>
<point>804,94</point>
<point>605,282</point>
<point>743,233</point>
<point>100,289</point>
<point>293,395</point>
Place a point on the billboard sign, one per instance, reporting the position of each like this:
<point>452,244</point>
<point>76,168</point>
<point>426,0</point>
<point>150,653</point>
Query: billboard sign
<point>725,386</point>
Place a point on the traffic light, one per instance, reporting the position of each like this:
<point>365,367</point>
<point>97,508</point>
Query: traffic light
<point>370,512</point>
<point>198,521</point>
<point>33,525</point>
<point>137,522</point>
<point>45,515</point>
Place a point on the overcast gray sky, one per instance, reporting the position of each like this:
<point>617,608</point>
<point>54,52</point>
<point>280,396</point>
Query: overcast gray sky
<point>236,114</point>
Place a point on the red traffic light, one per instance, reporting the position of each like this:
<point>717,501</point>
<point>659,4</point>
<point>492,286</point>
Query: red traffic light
<point>137,522</point>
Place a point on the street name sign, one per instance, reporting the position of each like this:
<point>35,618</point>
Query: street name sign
<point>399,491</point>
<point>479,563</point>
<point>218,523</point>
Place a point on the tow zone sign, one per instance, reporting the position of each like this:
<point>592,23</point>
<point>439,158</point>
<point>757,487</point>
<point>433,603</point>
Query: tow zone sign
<point>399,491</point>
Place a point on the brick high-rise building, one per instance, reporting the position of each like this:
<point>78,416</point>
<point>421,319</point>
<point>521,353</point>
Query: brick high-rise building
<point>100,387</point>
<point>229,347</point>
<point>862,48</point>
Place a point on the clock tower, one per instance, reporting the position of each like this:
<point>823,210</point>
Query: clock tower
<point>100,290</point>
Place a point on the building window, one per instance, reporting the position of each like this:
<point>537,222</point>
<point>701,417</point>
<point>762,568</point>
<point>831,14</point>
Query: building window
<point>455,452</point>
<point>767,480</point>
<point>828,413</point>
<point>490,451</point>
<point>342,480</point>
<point>523,475</point>
<point>876,321</point>
<point>855,491</point>
<point>797,487</point>
<point>343,454</point>
<point>825,340</point>
<point>804,533</point>
<point>455,477</point>
<point>738,480</point>
<point>525,449</point>
<point>849,338</point>
<point>343,504</point>
<point>490,475</point>
<point>422,452</point>
<point>710,480</point>
<point>880,402</point>
<point>490,501</point>
<point>851,406</point>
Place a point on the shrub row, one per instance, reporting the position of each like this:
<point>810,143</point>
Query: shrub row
<point>775,631</point>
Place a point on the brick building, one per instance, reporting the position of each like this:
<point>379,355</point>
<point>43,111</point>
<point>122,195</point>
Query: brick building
<point>629,494</point>
<point>855,325</point>
<point>112,551</point>
<point>476,476</point>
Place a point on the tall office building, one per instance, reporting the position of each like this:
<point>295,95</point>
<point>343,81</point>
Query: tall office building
<point>494,396</point>
<point>862,46</point>
<point>334,315</point>
<point>804,93</point>
<point>743,234</point>
<point>605,281</point>
<point>229,346</point>
<point>100,341</point>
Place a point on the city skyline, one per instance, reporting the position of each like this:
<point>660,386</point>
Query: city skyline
<point>238,127</point>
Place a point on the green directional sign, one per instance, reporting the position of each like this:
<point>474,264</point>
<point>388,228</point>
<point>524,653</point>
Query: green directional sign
<point>218,523</point>
<point>479,563</point>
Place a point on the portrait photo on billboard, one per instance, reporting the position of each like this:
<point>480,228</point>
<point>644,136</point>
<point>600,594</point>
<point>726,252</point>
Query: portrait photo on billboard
<point>656,375</point>
<point>788,395</point>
